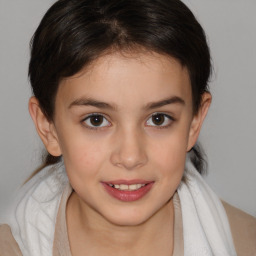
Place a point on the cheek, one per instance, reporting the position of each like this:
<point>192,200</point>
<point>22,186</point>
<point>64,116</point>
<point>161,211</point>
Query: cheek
<point>83,165</point>
<point>171,159</point>
<point>172,163</point>
<point>170,154</point>
<point>82,158</point>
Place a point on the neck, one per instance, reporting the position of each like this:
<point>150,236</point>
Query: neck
<point>92,232</point>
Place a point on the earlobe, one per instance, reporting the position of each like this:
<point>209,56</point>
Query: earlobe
<point>44,127</point>
<point>198,119</point>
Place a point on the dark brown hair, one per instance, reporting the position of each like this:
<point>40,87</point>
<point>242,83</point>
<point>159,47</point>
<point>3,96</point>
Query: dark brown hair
<point>73,33</point>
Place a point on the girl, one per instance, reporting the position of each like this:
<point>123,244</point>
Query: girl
<point>120,94</point>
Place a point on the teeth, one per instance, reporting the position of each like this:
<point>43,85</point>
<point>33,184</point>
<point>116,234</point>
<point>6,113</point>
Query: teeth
<point>133,187</point>
<point>125,187</point>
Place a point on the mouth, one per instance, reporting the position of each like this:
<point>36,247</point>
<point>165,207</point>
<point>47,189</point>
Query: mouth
<point>124,187</point>
<point>128,191</point>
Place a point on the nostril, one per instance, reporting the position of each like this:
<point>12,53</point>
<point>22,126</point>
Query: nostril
<point>129,152</point>
<point>128,161</point>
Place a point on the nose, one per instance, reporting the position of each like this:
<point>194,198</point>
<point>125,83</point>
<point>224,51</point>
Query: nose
<point>129,150</point>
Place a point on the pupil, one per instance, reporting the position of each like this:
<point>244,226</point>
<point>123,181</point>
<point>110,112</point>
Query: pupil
<point>158,119</point>
<point>96,120</point>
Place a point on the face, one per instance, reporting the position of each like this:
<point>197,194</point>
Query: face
<point>124,126</point>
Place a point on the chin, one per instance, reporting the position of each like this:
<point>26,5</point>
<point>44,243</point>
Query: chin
<point>128,218</point>
<point>128,222</point>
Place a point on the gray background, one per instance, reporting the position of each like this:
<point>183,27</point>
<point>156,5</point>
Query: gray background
<point>228,135</point>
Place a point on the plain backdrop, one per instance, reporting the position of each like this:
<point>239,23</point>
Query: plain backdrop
<point>228,134</point>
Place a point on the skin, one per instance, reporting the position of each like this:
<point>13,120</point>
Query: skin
<point>127,145</point>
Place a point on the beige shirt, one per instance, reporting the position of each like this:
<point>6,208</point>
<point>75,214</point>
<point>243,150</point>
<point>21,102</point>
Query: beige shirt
<point>243,228</point>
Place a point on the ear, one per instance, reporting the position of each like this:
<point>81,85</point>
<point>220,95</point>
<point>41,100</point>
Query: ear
<point>198,119</point>
<point>45,128</point>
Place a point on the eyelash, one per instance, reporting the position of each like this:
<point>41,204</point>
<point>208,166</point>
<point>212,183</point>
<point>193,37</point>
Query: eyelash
<point>89,117</point>
<point>91,126</point>
<point>170,120</point>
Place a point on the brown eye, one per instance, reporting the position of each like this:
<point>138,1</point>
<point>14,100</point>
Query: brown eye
<point>96,121</point>
<point>159,119</point>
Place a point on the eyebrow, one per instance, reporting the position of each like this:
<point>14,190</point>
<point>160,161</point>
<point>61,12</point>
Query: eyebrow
<point>91,102</point>
<point>104,105</point>
<point>172,100</point>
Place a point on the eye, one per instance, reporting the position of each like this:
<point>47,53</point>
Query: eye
<point>96,120</point>
<point>159,119</point>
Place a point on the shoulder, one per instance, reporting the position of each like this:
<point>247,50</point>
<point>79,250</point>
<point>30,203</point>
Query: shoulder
<point>8,245</point>
<point>243,228</point>
<point>32,217</point>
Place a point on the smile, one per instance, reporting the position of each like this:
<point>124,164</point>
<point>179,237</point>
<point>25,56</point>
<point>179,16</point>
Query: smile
<point>125,187</point>
<point>128,191</point>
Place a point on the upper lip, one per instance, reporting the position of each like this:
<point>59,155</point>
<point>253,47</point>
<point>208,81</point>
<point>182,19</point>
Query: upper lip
<point>128,182</point>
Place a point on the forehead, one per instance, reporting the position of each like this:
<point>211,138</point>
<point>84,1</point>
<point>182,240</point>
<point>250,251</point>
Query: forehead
<point>133,78</point>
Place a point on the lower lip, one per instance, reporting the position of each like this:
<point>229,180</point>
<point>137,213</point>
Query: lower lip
<point>128,196</point>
